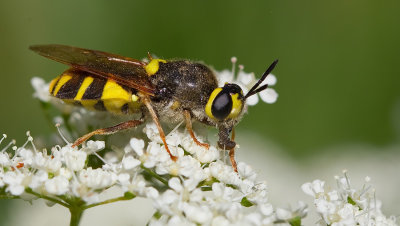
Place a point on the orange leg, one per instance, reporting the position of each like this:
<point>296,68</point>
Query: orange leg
<point>189,129</point>
<point>232,153</point>
<point>109,130</point>
<point>147,102</point>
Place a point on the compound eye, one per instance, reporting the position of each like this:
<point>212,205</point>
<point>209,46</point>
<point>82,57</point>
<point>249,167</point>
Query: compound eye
<point>225,103</point>
<point>222,105</point>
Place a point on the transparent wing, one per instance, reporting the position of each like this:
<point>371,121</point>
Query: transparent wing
<point>124,70</point>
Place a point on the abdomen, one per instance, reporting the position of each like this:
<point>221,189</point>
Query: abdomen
<point>94,93</point>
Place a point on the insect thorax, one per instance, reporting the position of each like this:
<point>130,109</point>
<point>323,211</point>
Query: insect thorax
<point>183,85</point>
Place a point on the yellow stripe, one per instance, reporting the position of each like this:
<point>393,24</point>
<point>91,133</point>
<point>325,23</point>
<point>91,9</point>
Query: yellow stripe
<point>85,84</point>
<point>53,83</point>
<point>64,79</point>
<point>114,96</point>
<point>89,104</point>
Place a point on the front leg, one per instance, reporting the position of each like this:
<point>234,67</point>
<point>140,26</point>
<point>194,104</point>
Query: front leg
<point>232,153</point>
<point>188,120</point>
<point>228,144</point>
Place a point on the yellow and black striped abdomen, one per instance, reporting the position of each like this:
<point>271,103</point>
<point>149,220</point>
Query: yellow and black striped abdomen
<point>95,93</point>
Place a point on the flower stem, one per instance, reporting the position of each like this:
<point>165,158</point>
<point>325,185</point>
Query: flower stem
<point>76,215</point>
<point>28,190</point>
<point>109,201</point>
<point>149,171</point>
<point>9,197</point>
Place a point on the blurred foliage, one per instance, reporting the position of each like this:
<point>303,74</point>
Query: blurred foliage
<point>338,76</point>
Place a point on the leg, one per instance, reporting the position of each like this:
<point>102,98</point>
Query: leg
<point>232,153</point>
<point>188,120</point>
<point>109,130</point>
<point>153,114</point>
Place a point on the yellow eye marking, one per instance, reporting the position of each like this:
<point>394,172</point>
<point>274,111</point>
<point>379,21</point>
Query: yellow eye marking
<point>210,102</point>
<point>64,79</point>
<point>152,67</point>
<point>237,106</point>
<point>114,96</point>
<point>85,84</point>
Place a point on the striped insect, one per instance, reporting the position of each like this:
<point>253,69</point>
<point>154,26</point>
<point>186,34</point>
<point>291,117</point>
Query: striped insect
<point>168,91</point>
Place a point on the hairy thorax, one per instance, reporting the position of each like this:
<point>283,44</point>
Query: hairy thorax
<point>182,85</point>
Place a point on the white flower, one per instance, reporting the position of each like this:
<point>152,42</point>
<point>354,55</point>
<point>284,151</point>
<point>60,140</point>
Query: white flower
<point>75,159</point>
<point>93,146</point>
<point>26,155</point>
<point>314,188</point>
<point>197,214</point>
<point>137,145</point>
<point>269,96</point>
<point>130,162</point>
<point>58,185</point>
<point>96,178</point>
<point>14,180</point>
<point>224,173</point>
<point>41,89</point>
<point>53,164</point>
<point>4,159</point>
<point>38,179</point>
<point>65,173</point>
<point>346,205</point>
<point>220,221</point>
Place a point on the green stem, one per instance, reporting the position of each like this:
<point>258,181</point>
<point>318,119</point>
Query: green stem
<point>28,190</point>
<point>76,215</point>
<point>9,197</point>
<point>122,198</point>
<point>158,177</point>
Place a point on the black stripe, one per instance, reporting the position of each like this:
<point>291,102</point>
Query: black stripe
<point>55,84</point>
<point>95,89</point>
<point>100,106</point>
<point>70,88</point>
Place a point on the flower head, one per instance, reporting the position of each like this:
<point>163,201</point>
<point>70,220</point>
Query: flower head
<point>346,205</point>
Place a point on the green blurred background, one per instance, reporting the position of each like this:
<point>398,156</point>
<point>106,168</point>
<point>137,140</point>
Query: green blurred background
<point>338,75</point>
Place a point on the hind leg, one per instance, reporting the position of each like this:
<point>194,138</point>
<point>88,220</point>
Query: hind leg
<point>110,130</point>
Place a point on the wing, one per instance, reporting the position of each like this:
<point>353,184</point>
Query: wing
<point>124,70</point>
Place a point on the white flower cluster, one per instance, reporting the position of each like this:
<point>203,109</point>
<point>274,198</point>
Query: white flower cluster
<point>61,171</point>
<point>196,189</point>
<point>346,205</point>
<point>201,188</point>
<point>246,81</point>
